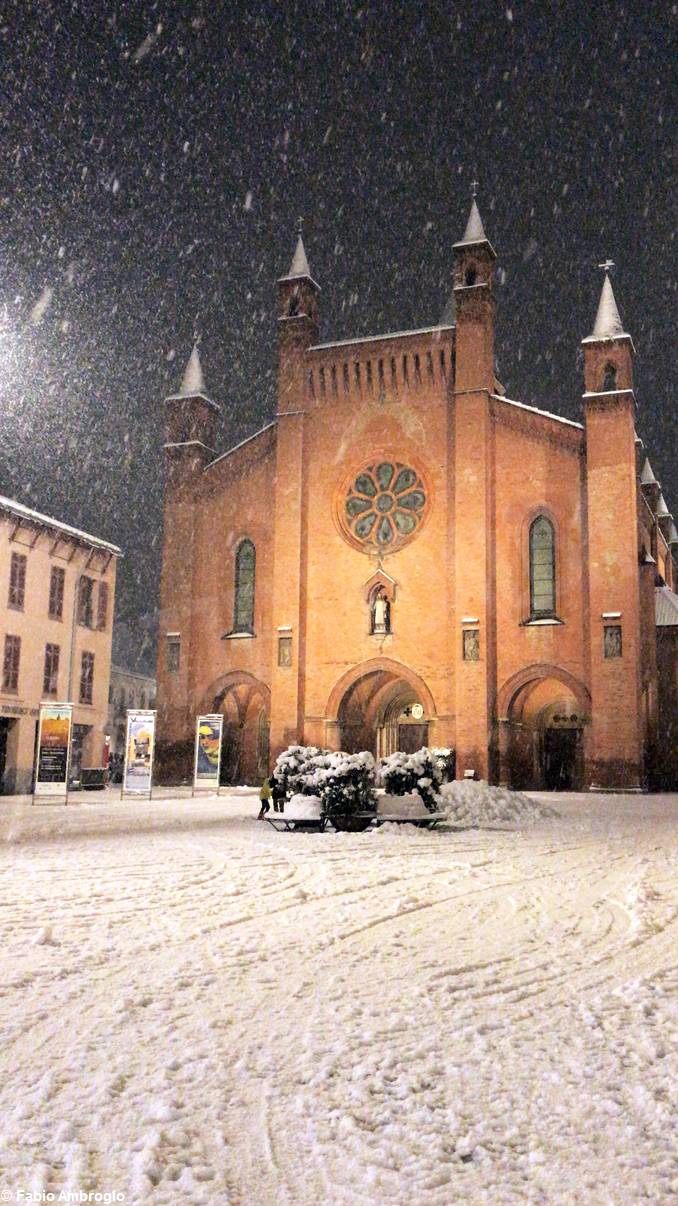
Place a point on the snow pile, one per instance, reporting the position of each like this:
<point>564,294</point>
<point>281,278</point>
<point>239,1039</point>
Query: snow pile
<point>301,808</point>
<point>468,802</point>
<point>410,805</point>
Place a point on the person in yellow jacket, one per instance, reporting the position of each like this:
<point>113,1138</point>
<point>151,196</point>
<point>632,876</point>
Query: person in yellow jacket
<point>265,797</point>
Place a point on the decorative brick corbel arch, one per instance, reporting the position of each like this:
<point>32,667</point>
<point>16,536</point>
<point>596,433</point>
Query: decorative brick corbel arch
<point>534,674</point>
<point>371,666</point>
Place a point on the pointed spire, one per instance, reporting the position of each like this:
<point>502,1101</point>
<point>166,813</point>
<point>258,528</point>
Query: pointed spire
<point>192,382</point>
<point>474,232</point>
<point>662,509</point>
<point>299,265</point>
<point>647,477</point>
<point>673,534</point>
<point>608,324</point>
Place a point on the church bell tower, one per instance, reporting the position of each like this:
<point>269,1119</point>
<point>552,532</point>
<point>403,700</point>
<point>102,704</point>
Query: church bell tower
<point>474,562</point>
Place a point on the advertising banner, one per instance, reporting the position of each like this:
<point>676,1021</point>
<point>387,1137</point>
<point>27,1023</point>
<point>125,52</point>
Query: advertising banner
<point>54,744</point>
<point>139,746</point>
<point>207,764</point>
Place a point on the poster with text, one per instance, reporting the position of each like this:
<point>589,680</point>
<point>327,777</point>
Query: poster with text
<point>139,747</point>
<point>208,751</point>
<point>54,742</point>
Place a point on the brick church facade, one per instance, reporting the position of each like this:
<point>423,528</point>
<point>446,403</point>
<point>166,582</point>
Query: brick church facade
<point>405,556</point>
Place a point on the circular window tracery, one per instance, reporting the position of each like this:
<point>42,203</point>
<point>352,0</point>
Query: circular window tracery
<point>383,506</point>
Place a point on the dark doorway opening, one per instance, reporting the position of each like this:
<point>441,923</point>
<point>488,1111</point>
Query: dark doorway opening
<point>561,759</point>
<point>231,751</point>
<point>4,730</point>
<point>412,737</point>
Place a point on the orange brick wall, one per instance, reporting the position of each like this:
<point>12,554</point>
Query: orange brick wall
<point>489,467</point>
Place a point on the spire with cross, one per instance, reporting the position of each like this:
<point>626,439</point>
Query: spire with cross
<point>608,324</point>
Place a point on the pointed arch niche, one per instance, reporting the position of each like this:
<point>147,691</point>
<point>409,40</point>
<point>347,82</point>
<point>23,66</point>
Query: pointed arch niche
<point>380,584</point>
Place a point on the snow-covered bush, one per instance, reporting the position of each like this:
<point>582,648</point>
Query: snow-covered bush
<point>343,782</point>
<point>422,772</point>
<point>292,766</point>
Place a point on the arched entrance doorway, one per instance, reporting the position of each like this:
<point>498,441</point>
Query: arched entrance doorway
<point>382,707</point>
<point>542,742</point>
<point>245,704</point>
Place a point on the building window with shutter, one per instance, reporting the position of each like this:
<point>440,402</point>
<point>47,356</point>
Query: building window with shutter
<point>50,680</point>
<point>86,602</point>
<point>57,579</point>
<point>17,582</point>
<point>243,610</point>
<point>86,678</point>
<point>10,665</point>
<point>542,568</point>
<point>102,605</point>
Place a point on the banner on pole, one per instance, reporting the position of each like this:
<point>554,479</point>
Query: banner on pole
<point>139,748</point>
<point>207,765</point>
<point>54,746</point>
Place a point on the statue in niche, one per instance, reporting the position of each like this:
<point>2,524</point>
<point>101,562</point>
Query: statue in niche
<point>381,614</point>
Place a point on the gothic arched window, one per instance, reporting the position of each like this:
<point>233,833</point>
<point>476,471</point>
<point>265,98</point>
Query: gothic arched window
<point>542,568</point>
<point>610,381</point>
<point>243,609</point>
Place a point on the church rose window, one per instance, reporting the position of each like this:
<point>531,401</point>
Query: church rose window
<point>383,506</point>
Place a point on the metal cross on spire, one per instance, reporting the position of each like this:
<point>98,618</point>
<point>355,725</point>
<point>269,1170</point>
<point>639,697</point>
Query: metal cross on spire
<point>300,226</point>
<point>607,265</point>
<point>474,188</point>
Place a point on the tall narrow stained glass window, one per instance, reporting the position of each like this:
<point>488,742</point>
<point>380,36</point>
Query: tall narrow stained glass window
<point>542,568</point>
<point>243,611</point>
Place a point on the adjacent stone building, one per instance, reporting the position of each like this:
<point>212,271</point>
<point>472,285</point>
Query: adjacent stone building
<point>57,589</point>
<point>404,556</point>
<point>128,689</point>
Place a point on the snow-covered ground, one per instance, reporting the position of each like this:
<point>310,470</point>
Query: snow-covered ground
<point>195,1008</point>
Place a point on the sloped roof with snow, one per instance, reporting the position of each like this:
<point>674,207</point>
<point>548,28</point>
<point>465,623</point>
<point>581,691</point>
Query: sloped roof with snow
<point>37,519</point>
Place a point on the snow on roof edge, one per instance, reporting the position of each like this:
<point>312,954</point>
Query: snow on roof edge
<point>342,343</point>
<point>22,512</point>
<point>535,410</point>
<point>235,447</point>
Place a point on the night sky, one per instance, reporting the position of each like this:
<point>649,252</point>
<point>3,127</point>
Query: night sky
<point>154,159</point>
